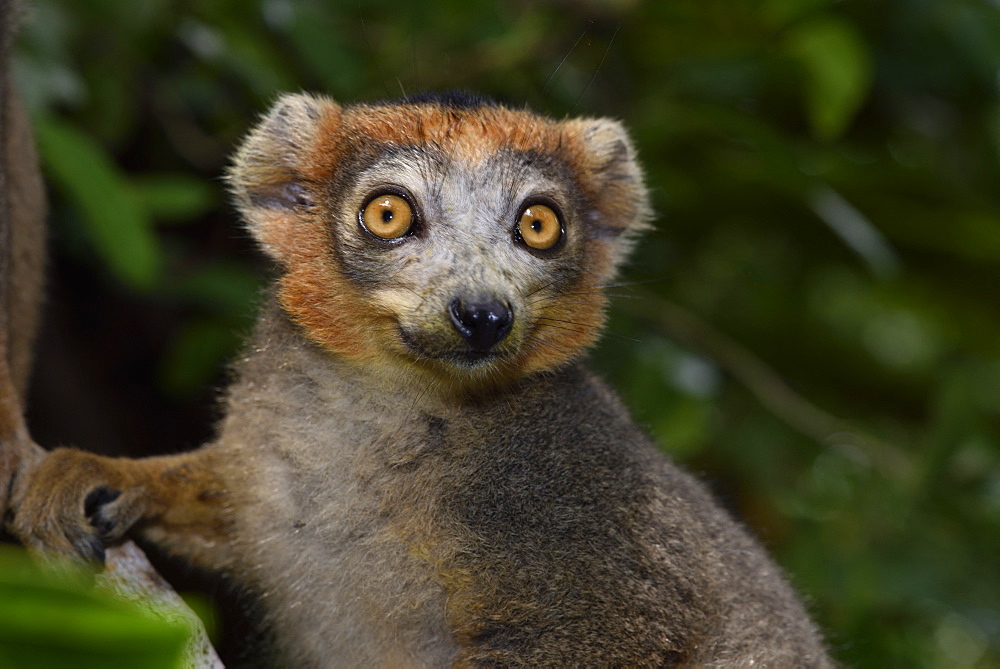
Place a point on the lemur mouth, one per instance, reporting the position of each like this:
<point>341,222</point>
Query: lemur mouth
<point>467,358</point>
<point>470,359</point>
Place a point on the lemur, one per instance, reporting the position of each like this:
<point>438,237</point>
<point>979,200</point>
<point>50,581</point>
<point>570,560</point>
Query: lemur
<point>414,468</point>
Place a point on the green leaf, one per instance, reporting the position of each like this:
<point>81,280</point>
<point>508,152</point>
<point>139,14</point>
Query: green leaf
<point>221,287</point>
<point>114,220</point>
<point>174,197</point>
<point>56,620</point>
<point>783,12</point>
<point>195,356</point>
<point>337,65</point>
<point>837,66</point>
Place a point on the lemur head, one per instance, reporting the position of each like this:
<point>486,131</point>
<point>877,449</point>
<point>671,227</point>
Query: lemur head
<point>448,233</point>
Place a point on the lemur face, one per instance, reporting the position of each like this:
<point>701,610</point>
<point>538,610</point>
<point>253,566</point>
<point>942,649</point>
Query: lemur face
<point>467,282</point>
<point>469,240</point>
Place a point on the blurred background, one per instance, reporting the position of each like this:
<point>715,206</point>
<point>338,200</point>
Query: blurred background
<point>813,327</point>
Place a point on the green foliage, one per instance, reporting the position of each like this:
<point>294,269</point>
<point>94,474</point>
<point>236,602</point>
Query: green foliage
<point>174,197</point>
<point>55,619</point>
<point>837,72</point>
<point>821,337</point>
<point>113,217</point>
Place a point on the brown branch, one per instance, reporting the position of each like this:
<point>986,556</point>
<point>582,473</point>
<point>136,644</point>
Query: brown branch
<point>130,576</point>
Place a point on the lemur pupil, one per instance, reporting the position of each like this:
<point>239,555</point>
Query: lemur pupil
<point>536,225</point>
<point>386,215</point>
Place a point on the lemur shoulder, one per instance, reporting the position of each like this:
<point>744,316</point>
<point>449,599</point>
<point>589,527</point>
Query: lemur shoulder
<point>414,468</point>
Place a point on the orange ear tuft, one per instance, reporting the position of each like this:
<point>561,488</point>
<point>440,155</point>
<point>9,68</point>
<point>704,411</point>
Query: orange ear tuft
<point>267,177</point>
<point>606,162</point>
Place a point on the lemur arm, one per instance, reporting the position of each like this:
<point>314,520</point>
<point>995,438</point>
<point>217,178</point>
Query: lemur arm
<point>75,503</point>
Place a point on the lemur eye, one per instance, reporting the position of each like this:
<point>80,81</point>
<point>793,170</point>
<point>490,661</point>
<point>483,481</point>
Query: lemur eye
<point>540,227</point>
<point>387,216</point>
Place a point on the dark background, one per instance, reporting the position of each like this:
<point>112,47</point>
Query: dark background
<point>814,326</point>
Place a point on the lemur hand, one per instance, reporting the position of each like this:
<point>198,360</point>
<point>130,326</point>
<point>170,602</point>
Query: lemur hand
<point>74,504</point>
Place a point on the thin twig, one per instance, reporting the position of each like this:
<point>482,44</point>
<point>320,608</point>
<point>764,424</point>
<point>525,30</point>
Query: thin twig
<point>765,384</point>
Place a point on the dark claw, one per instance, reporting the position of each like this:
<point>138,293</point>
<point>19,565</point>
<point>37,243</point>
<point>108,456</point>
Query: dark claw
<point>90,547</point>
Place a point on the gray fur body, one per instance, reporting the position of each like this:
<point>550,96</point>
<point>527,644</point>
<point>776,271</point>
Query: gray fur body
<point>581,544</point>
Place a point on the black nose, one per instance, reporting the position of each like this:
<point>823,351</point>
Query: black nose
<point>482,323</point>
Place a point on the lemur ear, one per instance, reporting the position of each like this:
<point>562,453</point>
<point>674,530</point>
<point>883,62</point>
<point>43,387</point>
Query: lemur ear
<point>268,176</point>
<point>611,173</point>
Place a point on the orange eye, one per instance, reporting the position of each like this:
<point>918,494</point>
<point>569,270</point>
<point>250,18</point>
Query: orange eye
<point>387,216</point>
<point>540,227</point>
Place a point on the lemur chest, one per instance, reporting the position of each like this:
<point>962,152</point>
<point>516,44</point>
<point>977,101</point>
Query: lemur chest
<point>357,528</point>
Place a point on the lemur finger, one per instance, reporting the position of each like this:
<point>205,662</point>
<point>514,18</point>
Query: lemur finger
<point>90,547</point>
<point>95,500</point>
<point>57,543</point>
<point>112,513</point>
